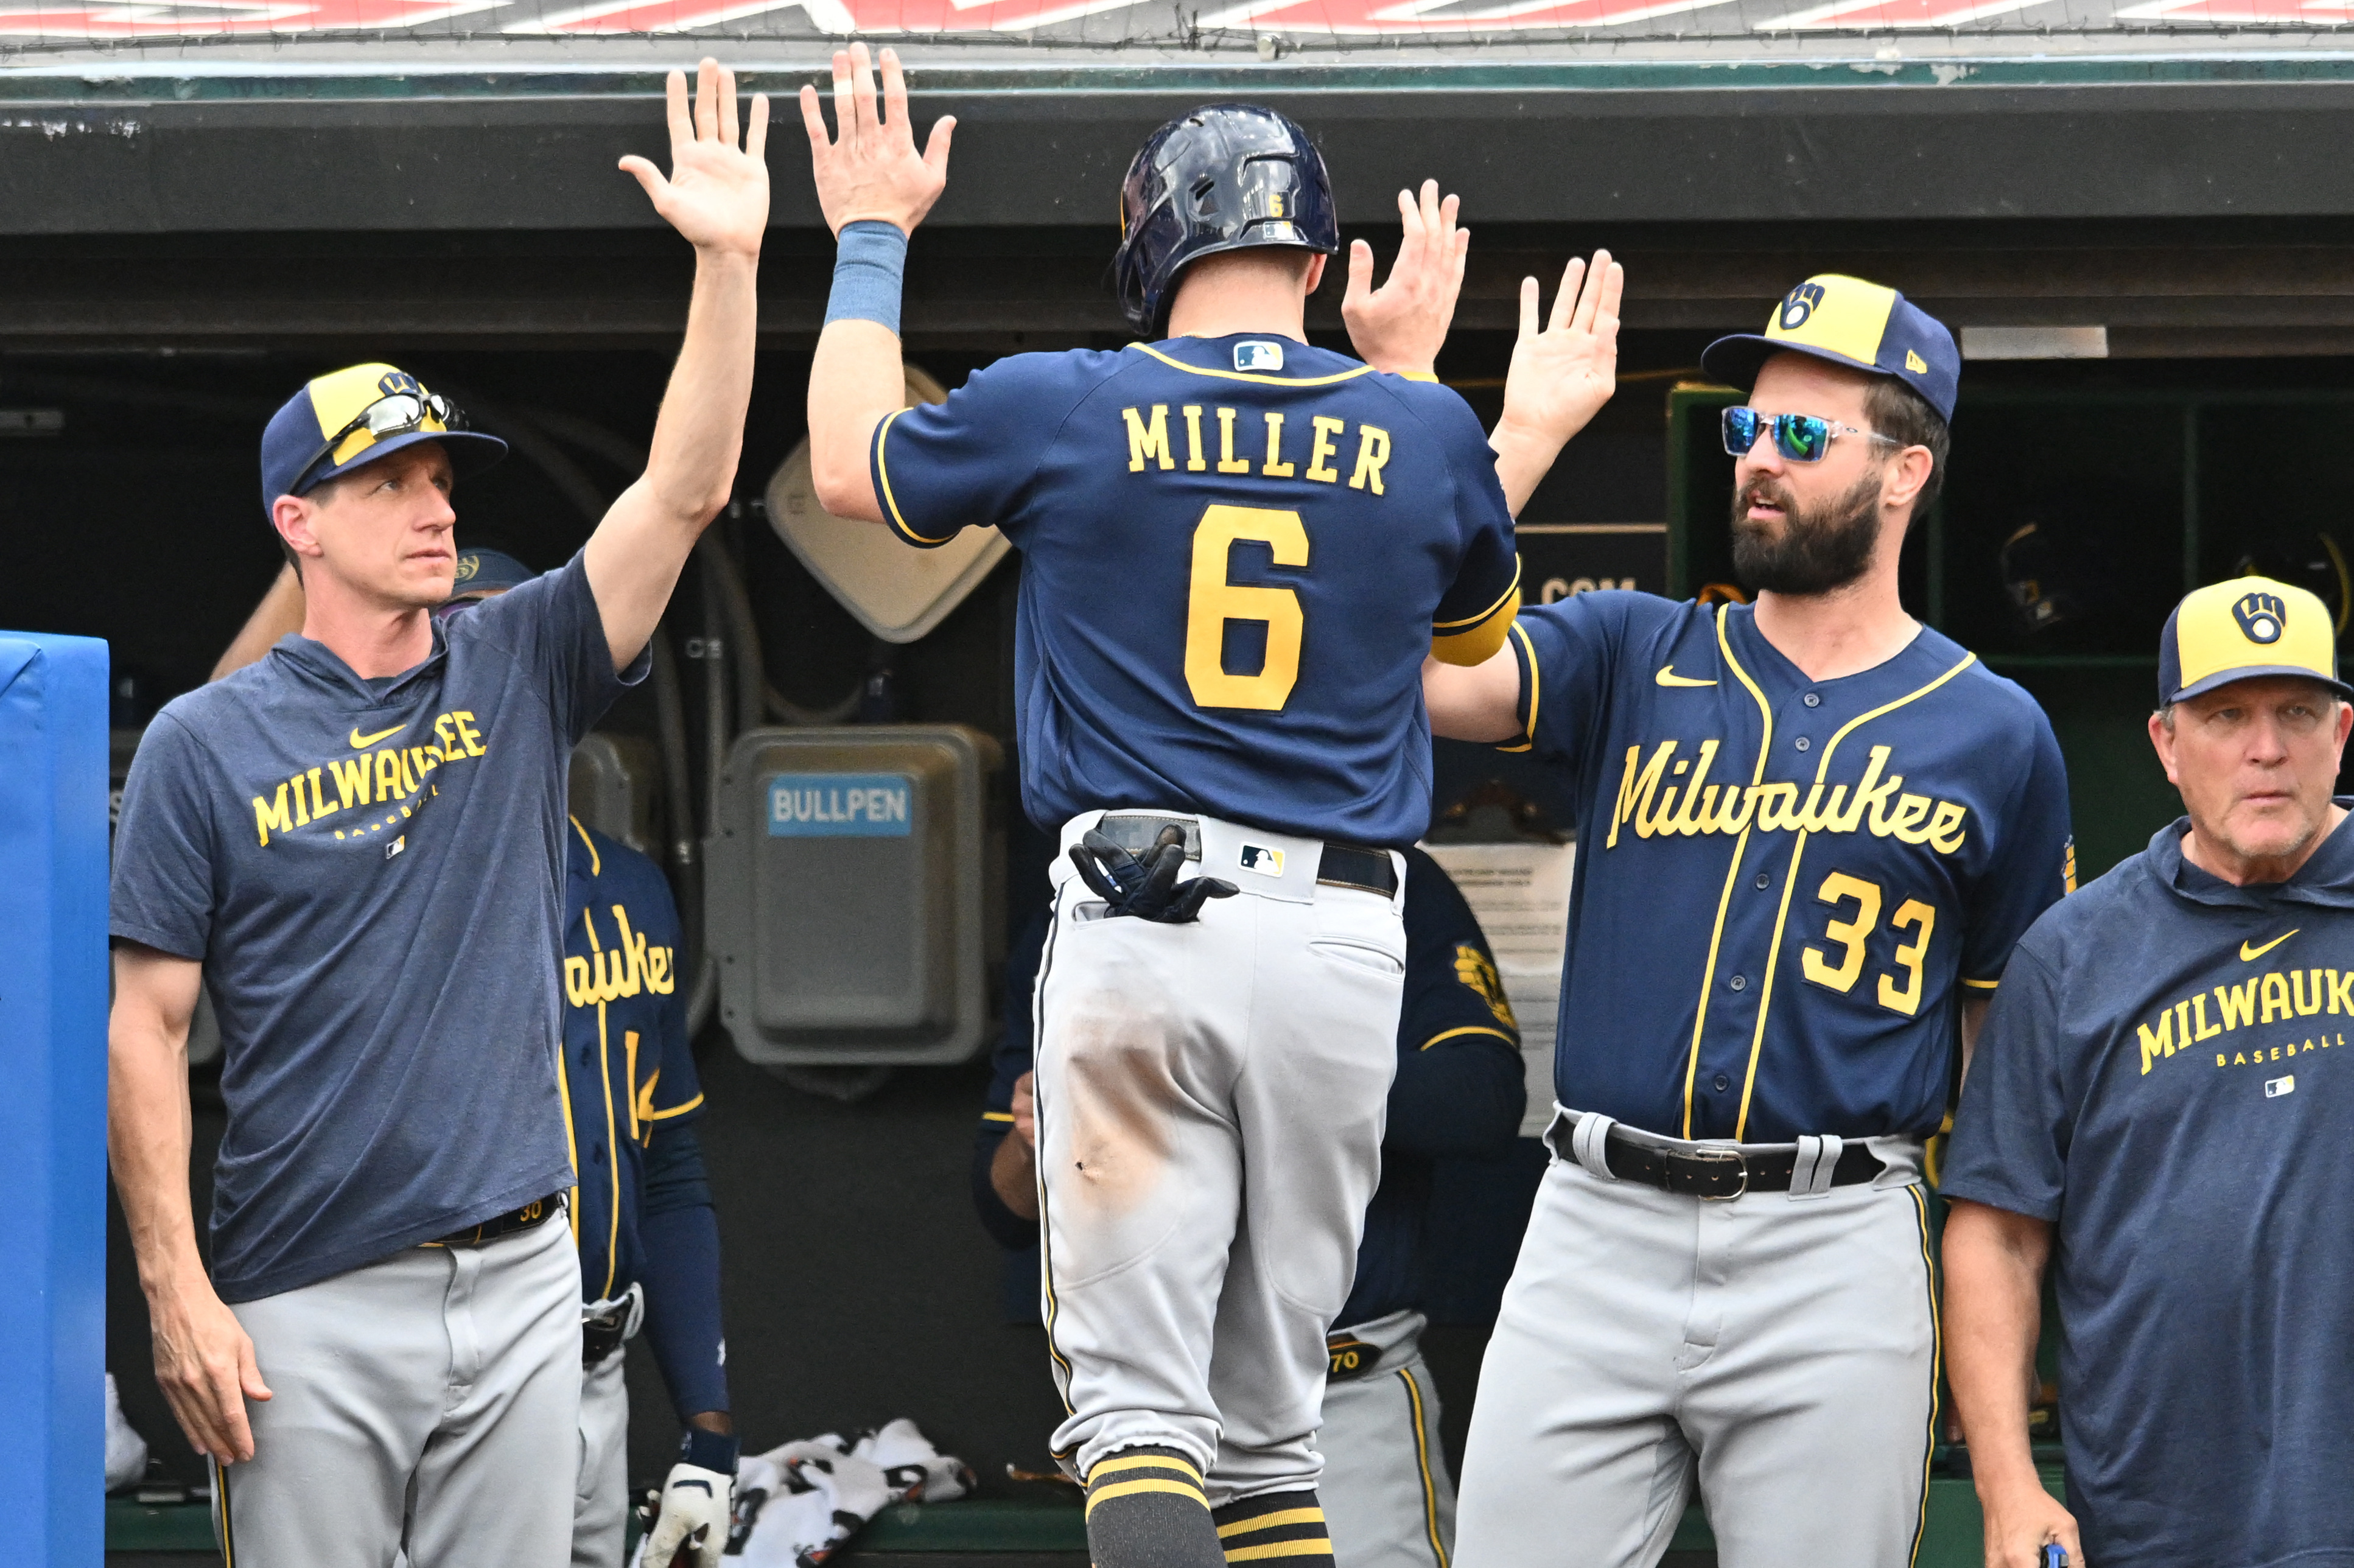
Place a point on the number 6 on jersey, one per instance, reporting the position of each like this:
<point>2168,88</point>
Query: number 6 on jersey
<point>1215,600</point>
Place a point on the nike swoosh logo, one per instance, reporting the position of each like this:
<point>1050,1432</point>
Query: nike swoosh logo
<point>1668,677</point>
<point>2249,954</point>
<point>362,742</point>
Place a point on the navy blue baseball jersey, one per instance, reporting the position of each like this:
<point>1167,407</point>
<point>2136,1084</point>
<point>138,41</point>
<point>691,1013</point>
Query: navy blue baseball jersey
<point>640,1205</point>
<point>1784,886</point>
<point>1458,1094</point>
<point>1235,553</point>
<point>2168,1077</point>
<point>628,1071</point>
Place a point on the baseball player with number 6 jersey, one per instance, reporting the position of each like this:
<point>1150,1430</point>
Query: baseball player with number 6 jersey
<point>1236,552</point>
<point>1810,831</point>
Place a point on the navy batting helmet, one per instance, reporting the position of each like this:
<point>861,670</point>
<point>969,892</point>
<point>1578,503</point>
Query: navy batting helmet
<point>1223,177</point>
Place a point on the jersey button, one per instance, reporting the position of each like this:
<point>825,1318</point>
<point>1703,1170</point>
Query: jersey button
<point>1804,744</point>
<point>1739,982</point>
<point>1722,1083</point>
<point>1764,879</point>
<point>1814,699</point>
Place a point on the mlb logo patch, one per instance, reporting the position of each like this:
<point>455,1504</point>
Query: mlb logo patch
<point>1262,860</point>
<point>2275,1088</point>
<point>1258,356</point>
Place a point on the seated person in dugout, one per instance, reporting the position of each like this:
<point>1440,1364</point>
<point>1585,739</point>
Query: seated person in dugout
<point>1459,1091</point>
<point>2158,1113</point>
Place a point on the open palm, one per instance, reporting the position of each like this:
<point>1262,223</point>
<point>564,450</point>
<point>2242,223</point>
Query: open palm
<point>1561,377</point>
<point>717,193</point>
<point>871,171</point>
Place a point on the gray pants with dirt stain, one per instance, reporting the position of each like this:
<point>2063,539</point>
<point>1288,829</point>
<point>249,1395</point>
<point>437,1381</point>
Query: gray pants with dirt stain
<point>1211,1100</point>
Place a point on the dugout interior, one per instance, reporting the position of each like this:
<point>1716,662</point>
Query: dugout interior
<point>164,286</point>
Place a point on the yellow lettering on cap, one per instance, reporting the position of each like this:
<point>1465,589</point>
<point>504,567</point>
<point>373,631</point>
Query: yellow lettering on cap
<point>1915,364</point>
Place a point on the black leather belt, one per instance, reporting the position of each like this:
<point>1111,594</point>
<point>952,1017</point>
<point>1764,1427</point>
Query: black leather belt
<point>1343,866</point>
<point>601,1333</point>
<point>1715,1173</point>
<point>534,1213</point>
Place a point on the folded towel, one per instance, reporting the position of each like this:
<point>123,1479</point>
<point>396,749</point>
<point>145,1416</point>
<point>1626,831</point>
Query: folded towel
<point>796,1504</point>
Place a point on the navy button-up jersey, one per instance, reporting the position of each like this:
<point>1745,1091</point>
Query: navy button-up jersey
<point>628,1067</point>
<point>1784,886</point>
<point>1230,576</point>
<point>2168,1077</point>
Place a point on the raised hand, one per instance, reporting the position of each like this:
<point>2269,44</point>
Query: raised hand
<point>870,170</point>
<point>1561,377</point>
<point>1401,326</point>
<point>717,193</point>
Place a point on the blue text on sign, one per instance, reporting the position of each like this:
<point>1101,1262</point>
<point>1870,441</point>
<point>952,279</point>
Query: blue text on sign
<point>839,805</point>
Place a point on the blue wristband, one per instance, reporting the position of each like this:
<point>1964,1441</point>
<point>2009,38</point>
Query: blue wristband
<point>708,1450</point>
<point>868,263</point>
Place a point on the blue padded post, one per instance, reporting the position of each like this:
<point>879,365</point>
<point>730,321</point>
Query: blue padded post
<point>53,807</point>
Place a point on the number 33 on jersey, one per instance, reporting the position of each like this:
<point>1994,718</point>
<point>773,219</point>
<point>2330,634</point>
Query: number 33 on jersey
<point>1784,887</point>
<point>1236,552</point>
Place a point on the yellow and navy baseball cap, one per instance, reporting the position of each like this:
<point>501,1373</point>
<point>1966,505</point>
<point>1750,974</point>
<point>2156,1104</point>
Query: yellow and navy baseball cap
<point>1849,321</point>
<point>325,429</point>
<point>2244,628</point>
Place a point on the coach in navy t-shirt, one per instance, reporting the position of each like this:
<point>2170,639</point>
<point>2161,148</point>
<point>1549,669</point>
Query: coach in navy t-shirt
<point>357,845</point>
<point>2163,1089</point>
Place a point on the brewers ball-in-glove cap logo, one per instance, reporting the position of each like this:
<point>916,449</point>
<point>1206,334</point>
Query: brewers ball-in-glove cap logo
<point>1800,304</point>
<point>2262,616</point>
<point>1849,321</point>
<point>2245,628</point>
<point>1226,177</point>
<point>489,571</point>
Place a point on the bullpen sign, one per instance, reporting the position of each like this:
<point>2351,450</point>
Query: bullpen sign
<point>840,805</point>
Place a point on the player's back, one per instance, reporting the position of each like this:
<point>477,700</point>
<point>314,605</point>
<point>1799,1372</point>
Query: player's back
<point>1237,553</point>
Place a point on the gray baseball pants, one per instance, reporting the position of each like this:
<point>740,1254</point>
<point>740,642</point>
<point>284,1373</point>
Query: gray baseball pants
<point>1211,1100</point>
<point>1387,1497</point>
<point>1782,1348</point>
<point>600,1506</point>
<point>428,1402</point>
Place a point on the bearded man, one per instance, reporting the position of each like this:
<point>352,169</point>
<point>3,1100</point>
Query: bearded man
<point>1810,831</point>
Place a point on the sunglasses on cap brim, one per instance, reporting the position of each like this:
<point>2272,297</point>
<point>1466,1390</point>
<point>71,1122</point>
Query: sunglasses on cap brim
<point>1801,438</point>
<point>394,414</point>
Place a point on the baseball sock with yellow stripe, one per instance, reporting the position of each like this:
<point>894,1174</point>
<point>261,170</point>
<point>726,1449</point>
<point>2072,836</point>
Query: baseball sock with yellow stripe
<point>1146,1509</point>
<point>1285,1526</point>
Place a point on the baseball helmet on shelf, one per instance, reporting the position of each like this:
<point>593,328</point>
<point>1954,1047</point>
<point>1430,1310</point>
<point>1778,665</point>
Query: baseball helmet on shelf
<point>1225,177</point>
<point>2311,561</point>
<point>2073,567</point>
<point>2046,576</point>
